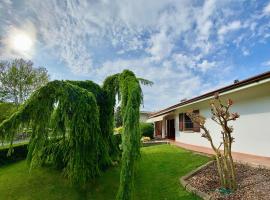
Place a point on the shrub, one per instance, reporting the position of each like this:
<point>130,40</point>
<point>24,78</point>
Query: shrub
<point>6,110</point>
<point>145,139</point>
<point>19,153</point>
<point>147,129</point>
<point>118,130</point>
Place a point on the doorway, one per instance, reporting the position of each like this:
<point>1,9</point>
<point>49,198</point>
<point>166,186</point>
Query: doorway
<point>170,129</point>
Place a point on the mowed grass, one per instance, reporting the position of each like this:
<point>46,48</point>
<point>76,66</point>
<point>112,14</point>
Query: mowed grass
<point>157,177</point>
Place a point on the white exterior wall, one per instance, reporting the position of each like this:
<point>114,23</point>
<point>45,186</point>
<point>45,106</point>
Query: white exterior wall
<point>251,130</point>
<point>144,117</point>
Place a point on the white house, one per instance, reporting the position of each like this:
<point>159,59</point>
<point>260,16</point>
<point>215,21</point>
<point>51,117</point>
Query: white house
<point>251,99</point>
<point>144,115</point>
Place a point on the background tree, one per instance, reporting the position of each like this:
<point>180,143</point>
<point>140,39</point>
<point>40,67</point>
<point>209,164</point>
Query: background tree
<point>18,79</point>
<point>147,129</point>
<point>223,153</point>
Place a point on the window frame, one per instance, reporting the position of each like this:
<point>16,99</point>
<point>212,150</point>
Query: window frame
<point>182,123</point>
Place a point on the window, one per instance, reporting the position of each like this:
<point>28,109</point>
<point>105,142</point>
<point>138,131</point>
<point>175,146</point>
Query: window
<point>188,124</point>
<point>185,123</point>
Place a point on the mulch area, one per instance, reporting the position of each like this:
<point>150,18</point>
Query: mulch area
<point>253,183</point>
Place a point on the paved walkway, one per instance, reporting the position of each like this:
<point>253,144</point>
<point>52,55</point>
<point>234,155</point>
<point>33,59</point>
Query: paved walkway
<point>239,157</point>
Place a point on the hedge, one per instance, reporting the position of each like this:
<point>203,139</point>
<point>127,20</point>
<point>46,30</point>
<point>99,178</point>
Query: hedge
<point>19,153</point>
<point>147,129</point>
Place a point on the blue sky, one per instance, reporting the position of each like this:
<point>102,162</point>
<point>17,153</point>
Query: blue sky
<point>185,47</point>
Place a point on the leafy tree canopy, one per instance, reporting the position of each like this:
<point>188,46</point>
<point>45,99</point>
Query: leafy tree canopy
<point>18,79</point>
<point>72,127</point>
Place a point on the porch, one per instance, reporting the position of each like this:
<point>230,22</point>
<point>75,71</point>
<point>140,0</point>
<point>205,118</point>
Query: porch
<point>165,128</point>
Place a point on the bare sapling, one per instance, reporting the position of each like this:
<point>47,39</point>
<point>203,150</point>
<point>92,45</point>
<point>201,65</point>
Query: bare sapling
<point>222,115</point>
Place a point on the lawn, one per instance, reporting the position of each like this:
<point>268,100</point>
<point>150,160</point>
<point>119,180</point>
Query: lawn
<point>157,177</point>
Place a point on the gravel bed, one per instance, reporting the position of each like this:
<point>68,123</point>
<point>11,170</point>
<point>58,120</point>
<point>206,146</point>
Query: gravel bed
<point>253,183</point>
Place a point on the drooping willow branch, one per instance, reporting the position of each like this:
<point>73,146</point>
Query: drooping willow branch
<point>72,127</point>
<point>130,104</point>
<point>64,120</point>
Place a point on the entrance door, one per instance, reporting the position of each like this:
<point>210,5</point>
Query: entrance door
<point>170,129</point>
<point>158,129</point>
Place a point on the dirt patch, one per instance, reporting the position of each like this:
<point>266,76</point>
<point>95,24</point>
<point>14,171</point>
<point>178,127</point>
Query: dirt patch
<point>253,183</point>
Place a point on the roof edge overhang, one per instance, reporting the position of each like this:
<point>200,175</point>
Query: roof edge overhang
<point>247,83</point>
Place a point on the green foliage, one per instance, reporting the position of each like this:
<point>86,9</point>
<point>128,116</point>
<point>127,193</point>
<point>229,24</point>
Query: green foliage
<point>118,136</point>
<point>72,127</point>
<point>145,81</point>
<point>147,129</point>
<point>67,133</point>
<point>131,98</point>
<point>20,153</point>
<point>6,110</point>
<point>118,130</point>
<point>111,89</point>
<point>118,117</point>
<point>18,79</point>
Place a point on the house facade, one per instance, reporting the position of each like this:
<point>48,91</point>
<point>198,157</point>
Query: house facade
<point>144,116</point>
<point>251,99</point>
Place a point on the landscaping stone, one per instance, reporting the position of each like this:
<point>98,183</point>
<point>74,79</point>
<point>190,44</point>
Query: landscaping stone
<point>253,183</point>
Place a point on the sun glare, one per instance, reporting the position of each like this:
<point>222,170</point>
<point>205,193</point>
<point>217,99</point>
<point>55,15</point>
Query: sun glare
<point>21,42</point>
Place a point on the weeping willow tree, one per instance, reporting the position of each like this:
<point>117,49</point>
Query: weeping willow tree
<point>72,127</point>
<point>130,104</point>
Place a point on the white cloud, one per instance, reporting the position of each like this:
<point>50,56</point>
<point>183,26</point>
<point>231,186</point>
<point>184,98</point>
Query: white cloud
<point>204,26</point>
<point>174,43</point>
<point>266,63</point>
<point>74,31</point>
<point>204,23</point>
<point>160,46</point>
<point>74,28</point>
<point>183,60</point>
<point>5,4</point>
<point>206,65</point>
<point>235,25</point>
<point>266,9</point>
<point>170,84</point>
<point>245,51</point>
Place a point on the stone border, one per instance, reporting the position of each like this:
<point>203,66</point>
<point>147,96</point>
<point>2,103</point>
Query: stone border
<point>203,195</point>
<point>189,188</point>
<point>154,142</point>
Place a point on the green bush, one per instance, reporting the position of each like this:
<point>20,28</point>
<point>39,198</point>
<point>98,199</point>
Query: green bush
<point>118,130</point>
<point>6,110</point>
<point>19,153</point>
<point>147,129</point>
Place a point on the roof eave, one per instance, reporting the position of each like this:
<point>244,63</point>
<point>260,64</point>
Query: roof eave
<point>262,78</point>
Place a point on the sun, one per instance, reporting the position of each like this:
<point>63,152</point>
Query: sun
<point>21,42</point>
